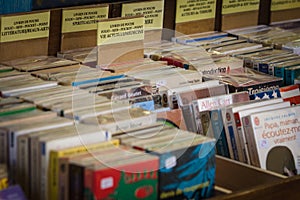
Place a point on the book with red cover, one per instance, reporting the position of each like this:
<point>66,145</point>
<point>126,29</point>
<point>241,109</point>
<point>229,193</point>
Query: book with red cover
<point>135,178</point>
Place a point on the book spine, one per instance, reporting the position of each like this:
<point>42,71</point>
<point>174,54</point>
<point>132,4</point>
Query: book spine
<point>219,133</point>
<point>279,72</point>
<point>189,120</point>
<point>76,182</point>
<point>12,156</point>
<point>263,67</point>
<point>43,184</point>
<point>233,135</point>
<point>63,190</point>
<point>88,184</point>
<point>3,147</point>
<point>249,136</point>
<point>22,165</point>
<point>240,132</point>
<point>289,77</point>
<point>53,176</point>
<point>35,168</point>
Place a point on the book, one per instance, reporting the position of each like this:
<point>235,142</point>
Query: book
<point>231,128</point>
<point>269,94</point>
<point>20,129</point>
<point>180,173</point>
<point>202,108</point>
<point>35,63</point>
<point>274,138</point>
<point>247,80</point>
<point>291,74</point>
<point>75,136</point>
<point>59,176</point>
<point>134,178</point>
<point>291,93</point>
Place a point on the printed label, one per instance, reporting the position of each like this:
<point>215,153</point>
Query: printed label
<point>107,183</point>
<point>24,27</point>
<point>170,162</point>
<point>192,10</point>
<point>121,30</point>
<point>82,19</point>
<point>284,4</point>
<point>236,6</point>
<point>152,11</point>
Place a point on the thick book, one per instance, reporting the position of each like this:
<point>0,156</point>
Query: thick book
<point>187,166</point>
<point>273,136</point>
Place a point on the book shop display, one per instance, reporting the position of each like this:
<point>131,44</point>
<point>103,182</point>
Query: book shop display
<point>149,99</point>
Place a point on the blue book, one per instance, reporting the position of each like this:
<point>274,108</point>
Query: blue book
<point>291,74</point>
<point>219,133</point>
<point>187,172</point>
<point>12,193</point>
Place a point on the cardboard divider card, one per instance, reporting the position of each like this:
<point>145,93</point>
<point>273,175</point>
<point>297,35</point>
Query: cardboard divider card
<point>284,10</point>
<point>239,13</point>
<point>20,32</point>
<point>79,26</point>
<point>193,16</point>
<point>153,12</point>
<point>120,39</point>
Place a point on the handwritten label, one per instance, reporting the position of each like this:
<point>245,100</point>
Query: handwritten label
<point>24,27</point>
<point>120,30</point>
<point>77,20</point>
<point>106,183</point>
<point>152,11</point>
<point>170,162</point>
<point>236,6</point>
<point>284,4</point>
<point>191,10</point>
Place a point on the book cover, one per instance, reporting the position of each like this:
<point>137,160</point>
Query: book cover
<point>291,93</point>
<point>187,172</point>
<point>270,94</point>
<point>245,112</point>
<point>275,136</point>
<point>54,180</point>
<point>136,178</point>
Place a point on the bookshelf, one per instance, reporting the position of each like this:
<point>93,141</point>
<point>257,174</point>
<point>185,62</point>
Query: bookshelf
<point>233,179</point>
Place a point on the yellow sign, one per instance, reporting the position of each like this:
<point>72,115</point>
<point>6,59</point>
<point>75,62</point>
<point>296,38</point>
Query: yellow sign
<point>191,10</point>
<point>84,19</point>
<point>120,30</point>
<point>236,6</point>
<point>284,4</point>
<point>152,11</point>
<point>24,27</point>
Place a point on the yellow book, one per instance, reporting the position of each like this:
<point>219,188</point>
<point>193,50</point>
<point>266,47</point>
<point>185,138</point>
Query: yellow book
<point>57,154</point>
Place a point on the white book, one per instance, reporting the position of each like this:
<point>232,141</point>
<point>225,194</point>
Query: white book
<point>239,115</point>
<point>21,129</point>
<point>275,138</point>
<point>79,135</point>
<point>230,124</point>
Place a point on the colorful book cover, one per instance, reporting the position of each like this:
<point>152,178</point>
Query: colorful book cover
<point>275,135</point>
<point>270,94</point>
<point>187,173</point>
<point>218,130</point>
<point>133,180</point>
<point>55,155</point>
